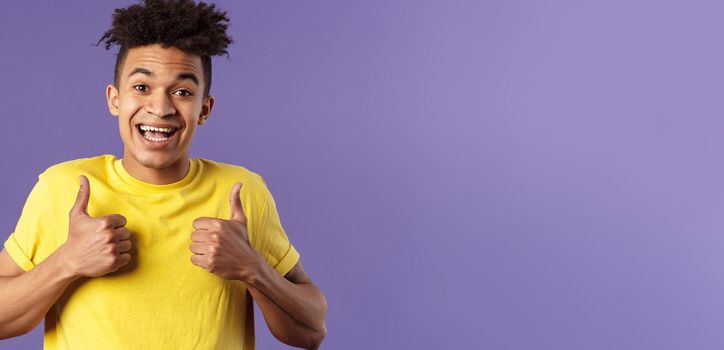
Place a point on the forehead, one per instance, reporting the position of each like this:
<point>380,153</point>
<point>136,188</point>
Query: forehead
<point>161,61</point>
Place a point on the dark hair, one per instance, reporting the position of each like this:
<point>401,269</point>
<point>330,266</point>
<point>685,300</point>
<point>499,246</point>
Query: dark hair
<point>198,29</point>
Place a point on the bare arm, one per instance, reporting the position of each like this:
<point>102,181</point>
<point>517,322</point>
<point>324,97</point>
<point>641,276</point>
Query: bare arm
<point>27,296</point>
<point>294,308</point>
<point>95,247</point>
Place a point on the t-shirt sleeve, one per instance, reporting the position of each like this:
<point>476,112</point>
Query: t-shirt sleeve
<point>29,244</point>
<point>271,241</point>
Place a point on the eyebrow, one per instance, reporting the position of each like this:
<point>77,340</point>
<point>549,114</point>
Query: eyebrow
<point>180,76</point>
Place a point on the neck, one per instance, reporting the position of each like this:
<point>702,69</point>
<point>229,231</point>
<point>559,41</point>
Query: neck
<point>157,176</point>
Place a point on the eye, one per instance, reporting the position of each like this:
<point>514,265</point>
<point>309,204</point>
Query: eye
<point>140,87</point>
<point>182,93</point>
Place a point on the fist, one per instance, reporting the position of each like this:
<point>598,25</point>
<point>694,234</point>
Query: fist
<point>222,246</point>
<point>95,246</point>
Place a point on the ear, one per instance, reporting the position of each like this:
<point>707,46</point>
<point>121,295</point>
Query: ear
<point>112,99</point>
<point>208,104</point>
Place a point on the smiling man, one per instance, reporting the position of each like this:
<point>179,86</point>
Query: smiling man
<point>156,250</point>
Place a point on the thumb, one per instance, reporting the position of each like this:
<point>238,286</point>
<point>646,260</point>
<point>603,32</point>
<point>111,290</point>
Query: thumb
<point>81,201</point>
<point>237,211</point>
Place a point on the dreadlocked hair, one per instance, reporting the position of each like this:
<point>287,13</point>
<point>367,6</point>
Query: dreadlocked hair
<point>198,29</point>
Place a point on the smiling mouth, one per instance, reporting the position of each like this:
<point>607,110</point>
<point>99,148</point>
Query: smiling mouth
<point>156,134</point>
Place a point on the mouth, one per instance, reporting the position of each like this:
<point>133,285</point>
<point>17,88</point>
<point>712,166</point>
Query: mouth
<point>156,133</point>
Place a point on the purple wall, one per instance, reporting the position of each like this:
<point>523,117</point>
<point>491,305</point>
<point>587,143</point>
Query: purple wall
<point>456,174</point>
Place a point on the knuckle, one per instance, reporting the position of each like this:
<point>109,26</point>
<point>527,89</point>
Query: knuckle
<point>107,236</point>
<point>200,221</point>
<point>108,250</point>
<point>104,222</point>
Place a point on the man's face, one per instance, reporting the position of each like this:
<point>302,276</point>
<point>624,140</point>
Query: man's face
<point>159,102</point>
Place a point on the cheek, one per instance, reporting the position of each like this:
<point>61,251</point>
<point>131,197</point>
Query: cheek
<point>124,127</point>
<point>189,132</point>
<point>129,106</point>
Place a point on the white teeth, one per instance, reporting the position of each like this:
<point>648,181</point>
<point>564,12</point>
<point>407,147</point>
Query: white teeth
<point>155,139</point>
<point>152,128</point>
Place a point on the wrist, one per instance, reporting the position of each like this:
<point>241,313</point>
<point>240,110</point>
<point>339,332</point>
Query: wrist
<point>250,274</point>
<point>65,265</point>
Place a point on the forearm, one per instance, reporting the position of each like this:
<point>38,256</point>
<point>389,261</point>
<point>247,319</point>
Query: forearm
<point>303,302</point>
<point>283,326</point>
<point>26,298</point>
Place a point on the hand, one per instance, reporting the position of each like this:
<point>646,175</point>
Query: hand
<point>222,246</point>
<point>95,246</point>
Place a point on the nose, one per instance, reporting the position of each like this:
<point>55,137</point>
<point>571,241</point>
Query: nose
<point>160,105</point>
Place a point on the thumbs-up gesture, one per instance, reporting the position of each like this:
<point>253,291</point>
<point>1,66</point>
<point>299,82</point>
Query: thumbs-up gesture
<point>95,246</point>
<point>222,246</point>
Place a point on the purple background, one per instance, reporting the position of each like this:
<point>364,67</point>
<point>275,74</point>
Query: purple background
<point>456,174</point>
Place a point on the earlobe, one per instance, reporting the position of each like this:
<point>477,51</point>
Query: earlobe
<point>206,110</point>
<point>112,99</point>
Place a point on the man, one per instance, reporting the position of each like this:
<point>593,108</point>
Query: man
<point>156,250</point>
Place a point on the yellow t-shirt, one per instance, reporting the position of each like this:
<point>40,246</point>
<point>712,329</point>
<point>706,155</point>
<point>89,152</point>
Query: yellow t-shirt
<point>160,300</point>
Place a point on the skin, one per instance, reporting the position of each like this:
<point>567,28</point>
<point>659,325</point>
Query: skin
<point>161,87</point>
<point>157,88</point>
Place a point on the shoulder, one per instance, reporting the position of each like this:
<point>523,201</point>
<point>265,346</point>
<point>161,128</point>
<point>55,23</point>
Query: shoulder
<point>58,184</point>
<point>227,174</point>
<point>95,167</point>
